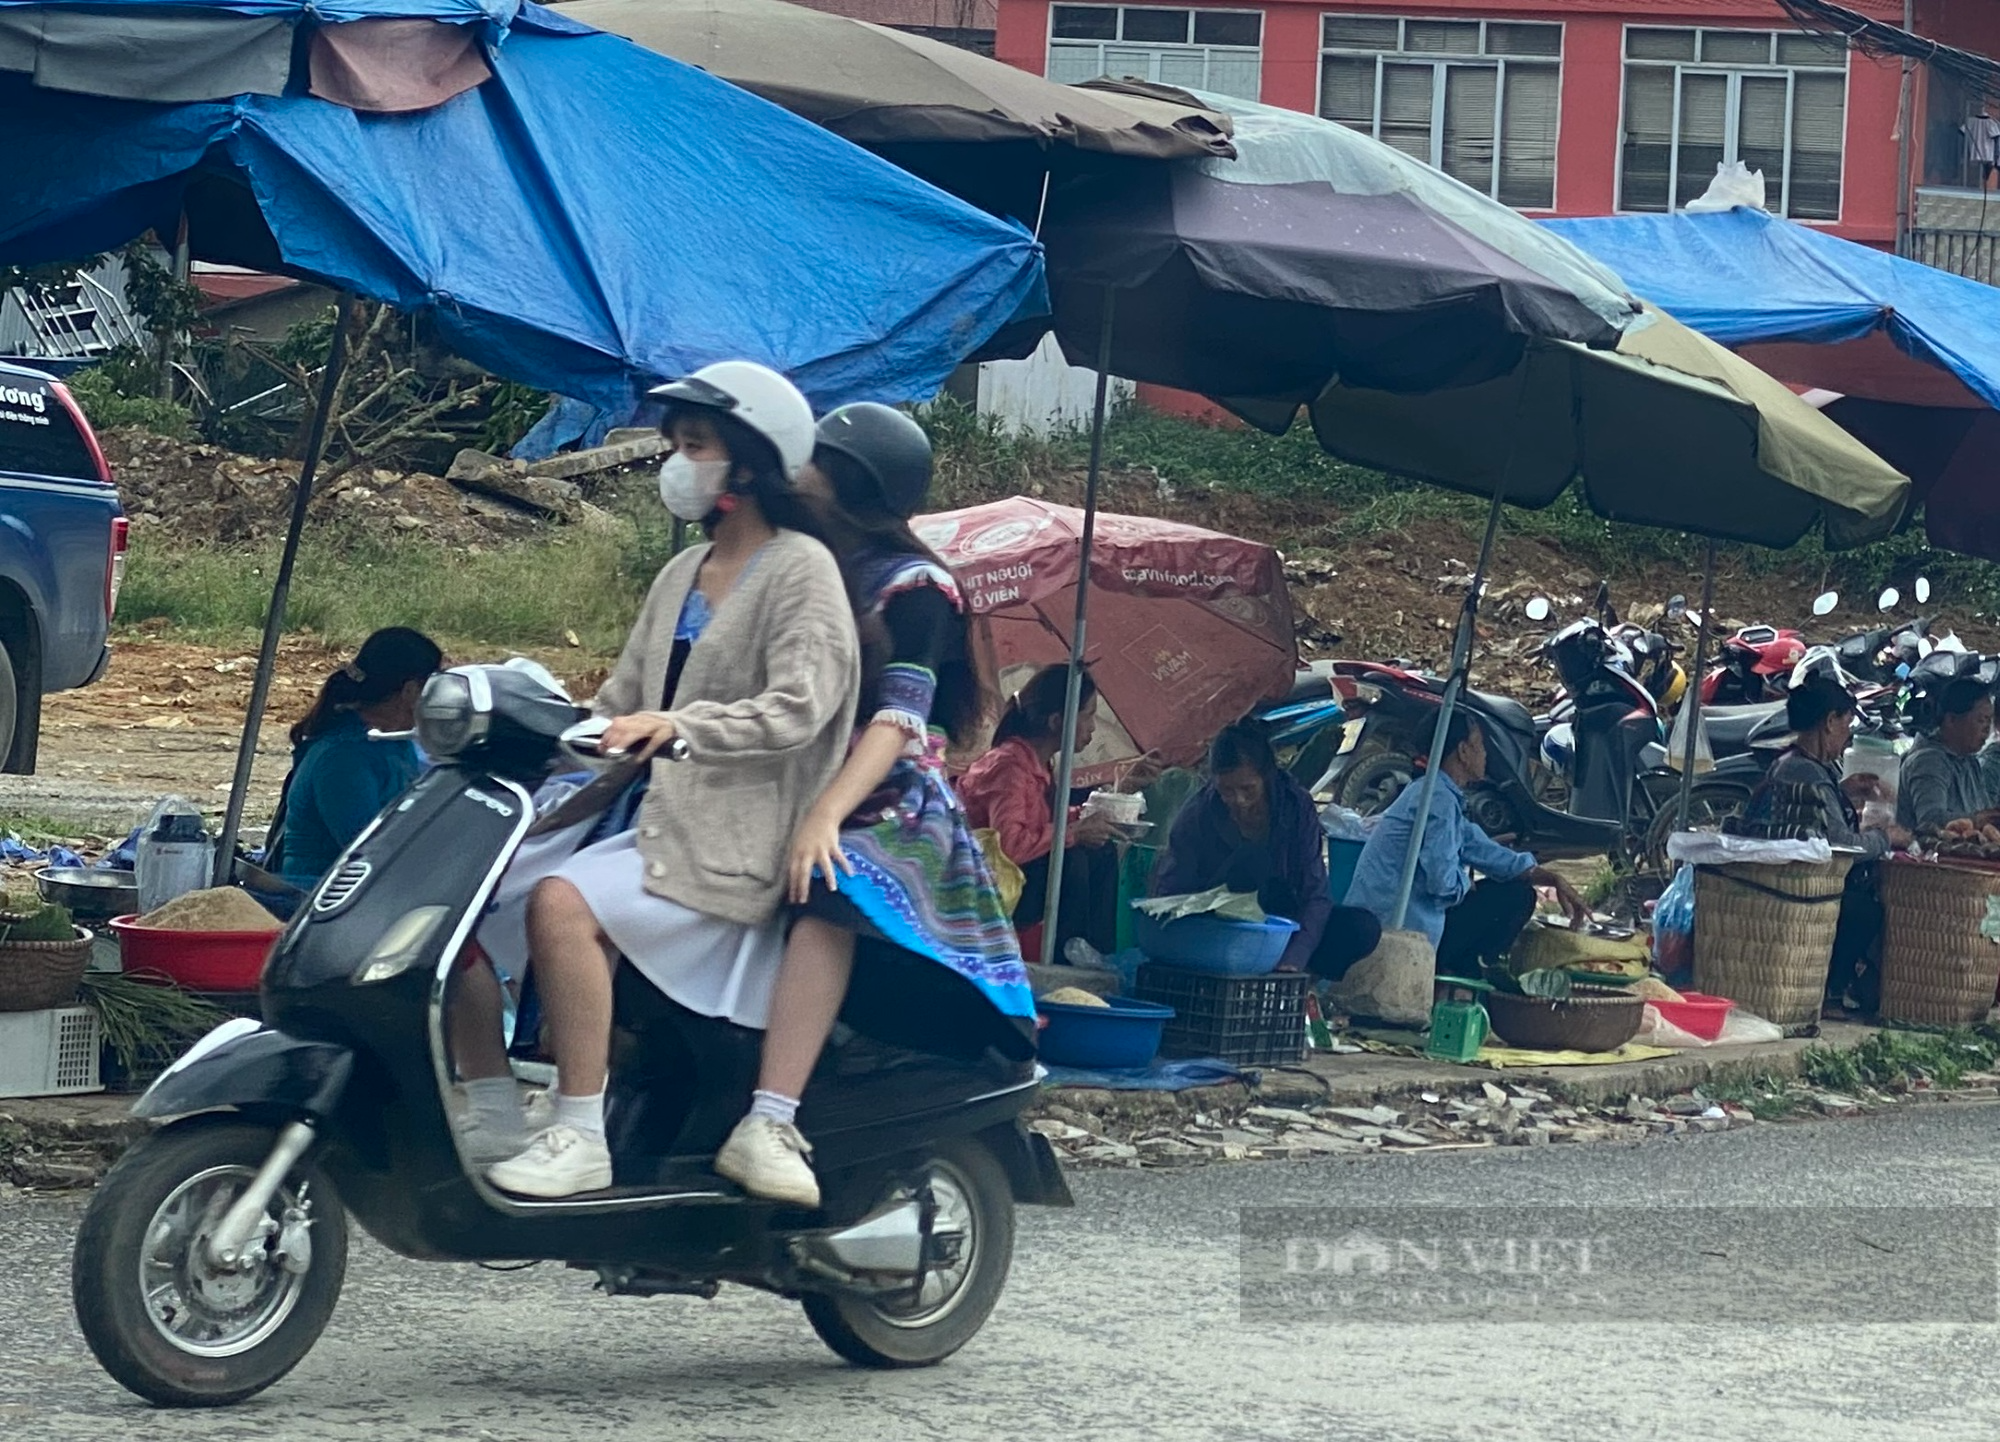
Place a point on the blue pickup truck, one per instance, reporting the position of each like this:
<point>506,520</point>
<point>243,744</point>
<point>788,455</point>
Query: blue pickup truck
<point>62,555</point>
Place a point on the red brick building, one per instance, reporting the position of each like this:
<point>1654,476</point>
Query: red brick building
<point>1564,107</point>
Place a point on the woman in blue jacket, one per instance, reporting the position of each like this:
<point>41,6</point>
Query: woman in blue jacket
<point>340,778</point>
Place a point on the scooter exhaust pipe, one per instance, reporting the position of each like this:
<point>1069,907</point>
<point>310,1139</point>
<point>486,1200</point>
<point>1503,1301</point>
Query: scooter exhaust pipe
<point>889,1240</point>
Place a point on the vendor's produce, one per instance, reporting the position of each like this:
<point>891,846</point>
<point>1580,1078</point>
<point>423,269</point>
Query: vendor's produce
<point>1074,996</point>
<point>1651,988</point>
<point>220,909</point>
<point>1965,838</point>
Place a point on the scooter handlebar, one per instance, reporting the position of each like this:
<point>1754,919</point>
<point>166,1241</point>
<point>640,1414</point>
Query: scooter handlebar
<point>585,742</point>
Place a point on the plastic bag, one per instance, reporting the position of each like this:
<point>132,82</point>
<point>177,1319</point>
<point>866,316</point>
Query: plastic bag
<point>1342,824</point>
<point>1677,744</point>
<point>1739,1028</point>
<point>1673,927</point>
<point>1735,184</point>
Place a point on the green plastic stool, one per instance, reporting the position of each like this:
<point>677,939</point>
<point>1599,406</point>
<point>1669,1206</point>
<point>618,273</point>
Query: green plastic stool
<point>1459,1024</point>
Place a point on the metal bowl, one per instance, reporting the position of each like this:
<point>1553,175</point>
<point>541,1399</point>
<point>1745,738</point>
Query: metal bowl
<point>90,895</point>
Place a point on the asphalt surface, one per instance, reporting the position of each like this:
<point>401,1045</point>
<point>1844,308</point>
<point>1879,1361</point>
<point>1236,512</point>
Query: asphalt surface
<point>1123,1319</point>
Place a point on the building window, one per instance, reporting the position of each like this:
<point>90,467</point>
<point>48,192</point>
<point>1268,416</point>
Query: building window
<point>1219,50</point>
<point>1696,99</point>
<point>1478,99</point>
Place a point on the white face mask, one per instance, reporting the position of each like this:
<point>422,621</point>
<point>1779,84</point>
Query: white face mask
<point>691,488</point>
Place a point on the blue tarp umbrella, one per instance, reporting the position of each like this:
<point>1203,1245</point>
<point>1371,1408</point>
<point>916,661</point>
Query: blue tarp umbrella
<point>1911,353</point>
<point>589,218</point>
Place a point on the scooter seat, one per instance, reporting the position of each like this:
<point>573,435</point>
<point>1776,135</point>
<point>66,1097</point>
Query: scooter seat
<point>1729,727</point>
<point>1504,709</point>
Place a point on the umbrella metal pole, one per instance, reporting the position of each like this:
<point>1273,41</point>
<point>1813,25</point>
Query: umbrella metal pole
<point>274,619</point>
<point>1073,699</point>
<point>1461,662</point>
<point>1693,702</point>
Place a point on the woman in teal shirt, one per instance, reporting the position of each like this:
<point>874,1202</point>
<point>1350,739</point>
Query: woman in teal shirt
<point>340,779</point>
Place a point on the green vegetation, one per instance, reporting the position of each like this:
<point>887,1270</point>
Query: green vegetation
<point>146,1025</point>
<point>111,398</point>
<point>29,918</point>
<point>526,594</point>
<point>530,593</point>
<point>1897,1059</point>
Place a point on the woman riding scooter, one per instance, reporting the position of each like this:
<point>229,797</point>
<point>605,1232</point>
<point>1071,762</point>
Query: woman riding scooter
<point>886,854</point>
<point>744,661</point>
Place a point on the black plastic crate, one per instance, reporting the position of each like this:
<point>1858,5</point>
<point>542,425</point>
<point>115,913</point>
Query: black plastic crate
<point>1248,1020</point>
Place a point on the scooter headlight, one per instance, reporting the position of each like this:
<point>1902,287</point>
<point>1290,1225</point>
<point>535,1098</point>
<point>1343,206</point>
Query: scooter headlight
<point>401,945</point>
<point>448,717</point>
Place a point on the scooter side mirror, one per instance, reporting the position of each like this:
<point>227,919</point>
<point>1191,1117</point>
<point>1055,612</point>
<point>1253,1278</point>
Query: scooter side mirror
<point>1889,599</point>
<point>1824,603</point>
<point>1538,609</point>
<point>1922,590</point>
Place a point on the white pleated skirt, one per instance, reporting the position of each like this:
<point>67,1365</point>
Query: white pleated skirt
<point>715,967</point>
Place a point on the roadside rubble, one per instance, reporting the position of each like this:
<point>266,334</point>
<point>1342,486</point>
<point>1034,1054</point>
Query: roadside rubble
<point>1098,1128</point>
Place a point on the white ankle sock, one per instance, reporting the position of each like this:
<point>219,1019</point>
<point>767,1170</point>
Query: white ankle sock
<point>585,1114</point>
<point>775,1105</point>
<point>495,1102</point>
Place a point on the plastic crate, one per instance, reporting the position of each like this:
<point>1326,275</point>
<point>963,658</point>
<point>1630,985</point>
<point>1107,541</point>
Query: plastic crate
<point>1248,1020</point>
<point>49,1053</point>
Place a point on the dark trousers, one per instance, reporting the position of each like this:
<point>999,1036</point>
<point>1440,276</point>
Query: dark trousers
<point>1856,967</point>
<point>1351,933</point>
<point>1089,905</point>
<point>1484,926</point>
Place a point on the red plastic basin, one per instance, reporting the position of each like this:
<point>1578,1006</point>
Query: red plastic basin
<point>197,960</point>
<point>1697,1014</point>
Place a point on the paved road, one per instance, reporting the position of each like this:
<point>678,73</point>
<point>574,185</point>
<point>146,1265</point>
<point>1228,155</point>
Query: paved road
<point>1121,1322</point>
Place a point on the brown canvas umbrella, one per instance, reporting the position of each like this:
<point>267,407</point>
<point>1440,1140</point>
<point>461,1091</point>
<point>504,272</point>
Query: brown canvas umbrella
<point>918,101</point>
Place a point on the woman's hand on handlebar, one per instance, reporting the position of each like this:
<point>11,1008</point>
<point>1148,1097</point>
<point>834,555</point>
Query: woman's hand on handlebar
<point>816,847</point>
<point>640,735</point>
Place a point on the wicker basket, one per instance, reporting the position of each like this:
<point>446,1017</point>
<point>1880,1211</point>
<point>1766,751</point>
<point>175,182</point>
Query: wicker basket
<point>1938,969</point>
<point>1574,1023</point>
<point>35,975</point>
<point>1763,934</point>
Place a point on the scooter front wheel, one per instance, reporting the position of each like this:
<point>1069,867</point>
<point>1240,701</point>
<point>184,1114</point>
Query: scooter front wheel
<point>163,1315</point>
<point>972,1247</point>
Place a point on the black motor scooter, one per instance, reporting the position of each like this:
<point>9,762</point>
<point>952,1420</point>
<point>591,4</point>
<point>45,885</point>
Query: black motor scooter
<point>211,1256</point>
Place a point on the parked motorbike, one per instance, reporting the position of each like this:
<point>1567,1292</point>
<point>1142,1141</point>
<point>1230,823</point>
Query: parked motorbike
<point>1614,718</point>
<point>210,1258</point>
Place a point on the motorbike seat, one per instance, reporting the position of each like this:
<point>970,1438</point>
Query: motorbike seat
<point>1730,727</point>
<point>1504,709</point>
<point>1306,686</point>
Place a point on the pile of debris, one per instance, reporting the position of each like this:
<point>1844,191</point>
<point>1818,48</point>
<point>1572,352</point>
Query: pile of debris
<point>202,494</point>
<point>1092,1127</point>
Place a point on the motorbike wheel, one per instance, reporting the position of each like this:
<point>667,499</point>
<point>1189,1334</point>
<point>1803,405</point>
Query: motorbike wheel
<point>1709,805</point>
<point>1372,782</point>
<point>920,1328</point>
<point>165,1320</point>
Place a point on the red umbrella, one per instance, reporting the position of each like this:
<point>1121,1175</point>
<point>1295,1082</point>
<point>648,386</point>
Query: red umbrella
<point>1189,629</point>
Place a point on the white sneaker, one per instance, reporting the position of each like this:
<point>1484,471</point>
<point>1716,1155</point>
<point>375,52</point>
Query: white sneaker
<point>560,1162</point>
<point>768,1159</point>
<point>483,1145</point>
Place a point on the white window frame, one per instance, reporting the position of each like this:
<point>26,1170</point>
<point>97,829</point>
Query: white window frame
<point>1440,61</point>
<point>1734,72</point>
<point>1188,47</point>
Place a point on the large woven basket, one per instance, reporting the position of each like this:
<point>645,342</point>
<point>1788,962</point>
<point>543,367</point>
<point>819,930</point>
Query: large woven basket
<point>36,975</point>
<point>1938,968</point>
<point>1763,934</point>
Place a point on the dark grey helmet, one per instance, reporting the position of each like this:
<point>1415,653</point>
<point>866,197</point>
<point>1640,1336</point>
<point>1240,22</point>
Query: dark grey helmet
<point>890,449</point>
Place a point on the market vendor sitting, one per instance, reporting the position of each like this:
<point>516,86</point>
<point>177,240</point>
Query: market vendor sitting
<point>1953,773</point>
<point>1468,922</point>
<point>1010,790</point>
<point>1804,791</point>
<point>1254,828</point>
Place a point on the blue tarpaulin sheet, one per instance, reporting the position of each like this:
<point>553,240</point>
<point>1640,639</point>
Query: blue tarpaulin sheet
<point>593,220</point>
<point>1161,1076</point>
<point>1744,277</point>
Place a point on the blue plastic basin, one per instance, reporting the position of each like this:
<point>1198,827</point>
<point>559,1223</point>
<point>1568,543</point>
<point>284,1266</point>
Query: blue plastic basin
<point>1120,1035</point>
<point>1213,945</point>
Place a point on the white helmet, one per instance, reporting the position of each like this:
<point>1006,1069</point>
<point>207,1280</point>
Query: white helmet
<point>757,396</point>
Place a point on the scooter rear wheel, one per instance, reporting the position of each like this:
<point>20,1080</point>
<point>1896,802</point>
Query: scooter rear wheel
<point>920,1328</point>
<point>163,1318</point>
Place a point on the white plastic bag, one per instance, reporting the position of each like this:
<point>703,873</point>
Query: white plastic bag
<point>1735,184</point>
<point>1677,744</point>
<point>1739,1028</point>
<point>1341,824</point>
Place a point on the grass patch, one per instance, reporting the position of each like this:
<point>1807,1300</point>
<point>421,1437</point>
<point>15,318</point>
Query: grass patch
<point>1895,1060</point>
<point>1767,1097</point>
<point>37,830</point>
<point>525,594</point>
